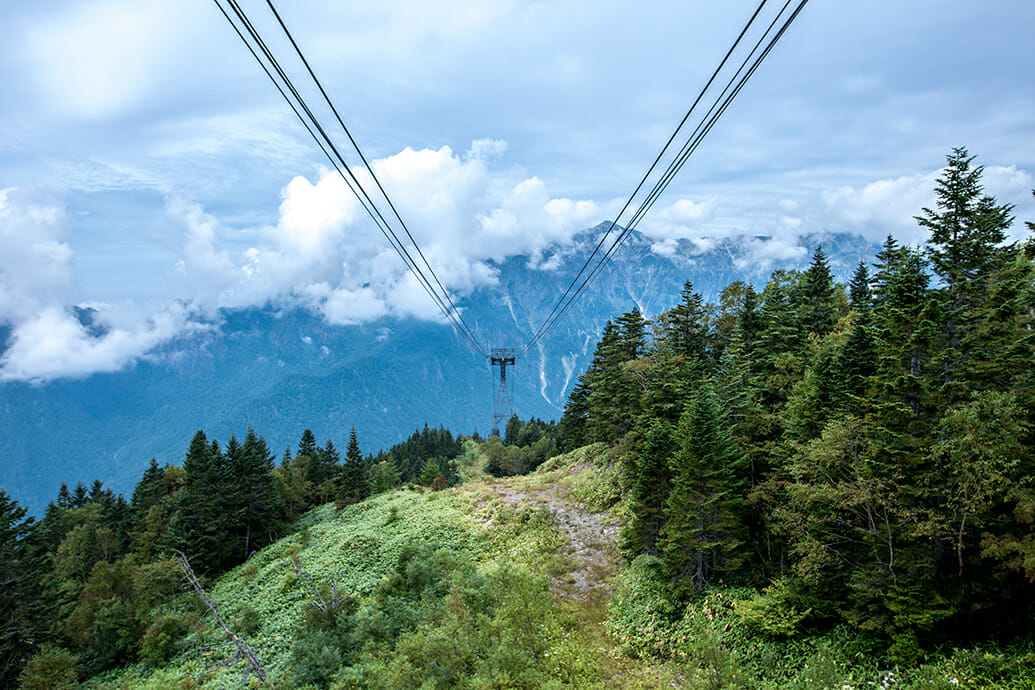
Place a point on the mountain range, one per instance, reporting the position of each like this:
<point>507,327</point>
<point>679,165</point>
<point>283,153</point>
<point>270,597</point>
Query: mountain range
<point>281,370</point>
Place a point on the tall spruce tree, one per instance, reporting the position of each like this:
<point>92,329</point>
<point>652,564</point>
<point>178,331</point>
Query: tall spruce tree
<point>355,484</point>
<point>703,535</point>
<point>859,292</point>
<point>966,231</point>
<point>817,309</point>
<point>199,524</point>
<point>615,399</point>
<point>649,492</point>
<point>253,499</point>
<point>17,598</point>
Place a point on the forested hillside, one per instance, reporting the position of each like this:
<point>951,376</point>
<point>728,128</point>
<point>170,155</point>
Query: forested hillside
<point>815,485</point>
<point>861,453</point>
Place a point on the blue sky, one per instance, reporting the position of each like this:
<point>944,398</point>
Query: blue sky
<point>148,169</point>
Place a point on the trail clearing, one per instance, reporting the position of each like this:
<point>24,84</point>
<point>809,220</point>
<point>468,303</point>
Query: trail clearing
<point>591,544</point>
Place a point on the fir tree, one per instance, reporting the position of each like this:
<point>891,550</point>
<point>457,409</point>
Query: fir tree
<point>324,470</point>
<point>887,259</point>
<point>150,489</point>
<point>859,293</point>
<point>816,305</point>
<point>199,524</point>
<point>704,529</point>
<point>253,499</point>
<point>649,492</point>
<point>307,445</point>
<point>64,497</point>
<point>967,229</point>
<point>355,484</point>
<point>615,398</point>
<point>686,325</point>
<point>17,600</point>
<point>429,472</point>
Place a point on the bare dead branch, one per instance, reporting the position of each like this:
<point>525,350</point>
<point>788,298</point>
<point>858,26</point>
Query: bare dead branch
<point>243,650</point>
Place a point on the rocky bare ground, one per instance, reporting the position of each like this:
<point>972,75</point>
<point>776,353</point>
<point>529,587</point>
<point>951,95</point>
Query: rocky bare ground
<point>591,543</point>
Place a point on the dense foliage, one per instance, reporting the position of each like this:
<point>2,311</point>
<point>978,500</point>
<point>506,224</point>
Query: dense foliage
<point>865,452</point>
<point>94,580</point>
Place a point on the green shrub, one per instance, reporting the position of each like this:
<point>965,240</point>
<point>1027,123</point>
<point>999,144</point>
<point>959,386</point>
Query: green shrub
<point>777,611</point>
<point>51,668</point>
<point>161,637</point>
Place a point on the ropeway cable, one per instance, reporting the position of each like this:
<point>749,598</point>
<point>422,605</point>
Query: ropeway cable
<point>451,312</point>
<point>702,129</point>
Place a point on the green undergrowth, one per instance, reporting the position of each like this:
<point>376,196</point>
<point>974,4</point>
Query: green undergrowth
<point>447,589</point>
<point>716,642</point>
<point>357,550</point>
<point>464,588</point>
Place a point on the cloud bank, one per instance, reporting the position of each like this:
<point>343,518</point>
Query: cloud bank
<point>324,254</point>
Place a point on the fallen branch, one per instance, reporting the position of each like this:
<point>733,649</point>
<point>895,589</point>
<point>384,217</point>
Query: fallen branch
<point>243,650</point>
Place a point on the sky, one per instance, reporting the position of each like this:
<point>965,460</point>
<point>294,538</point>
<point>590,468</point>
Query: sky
<point>150,171</point>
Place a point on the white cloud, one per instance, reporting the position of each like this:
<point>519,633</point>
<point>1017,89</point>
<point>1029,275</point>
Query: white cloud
<point>759,255</point>
<point>890,206</point>
<point>313,216</point>
<point>326,254</point>
<point>666,247</point>
<point>37,288</point>
<point>882,207</point>
<point>54,344</point>
<point>35,262</point>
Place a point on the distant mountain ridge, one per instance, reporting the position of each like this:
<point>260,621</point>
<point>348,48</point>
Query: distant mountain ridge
<point>280,371</point>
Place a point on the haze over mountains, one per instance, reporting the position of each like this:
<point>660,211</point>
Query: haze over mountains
<point>282,370</point>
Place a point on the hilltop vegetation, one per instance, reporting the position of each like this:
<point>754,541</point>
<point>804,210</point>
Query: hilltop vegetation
<point>817,486</point>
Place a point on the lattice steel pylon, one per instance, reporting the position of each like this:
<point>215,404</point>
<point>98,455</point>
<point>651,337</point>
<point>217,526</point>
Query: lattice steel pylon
<point>503,408</point>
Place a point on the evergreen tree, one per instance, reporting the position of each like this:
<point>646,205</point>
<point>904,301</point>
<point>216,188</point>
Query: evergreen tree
<point>307,445</point>
<point>324,471</point>
<point>150,489</point>
<point>649,492</point>
<point>198,526</point>
<point>577,425</point>
<point>386,476</point>
<point>820,393</point>
<point>966,229</point>
<point>429,472</point>
<point>686,325</point>
<point>80,495</point>
<point>887,260</point>
<point>817,308</point>
<point>355,482</point>
<point>64,497</point>
<point>615,397</point>
<point>678,360</point>
<point>512,430</point>
<point>17,598</point>
<point>704,532</point>
<point>572,432</point>
<point>857,362</point>
<point>859,293</point>
<point>253,501</point>
<point>905,328</point>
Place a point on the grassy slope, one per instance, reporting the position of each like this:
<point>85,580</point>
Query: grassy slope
<point>538,523</point>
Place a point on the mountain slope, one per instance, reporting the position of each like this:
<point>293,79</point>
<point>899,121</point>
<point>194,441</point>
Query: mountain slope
<point>280,371</point>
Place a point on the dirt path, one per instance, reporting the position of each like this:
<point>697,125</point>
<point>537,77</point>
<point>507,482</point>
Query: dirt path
<point>591,544</point>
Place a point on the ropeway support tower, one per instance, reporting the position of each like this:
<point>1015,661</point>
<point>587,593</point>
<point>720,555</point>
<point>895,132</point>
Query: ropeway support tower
<point>503,408</point>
